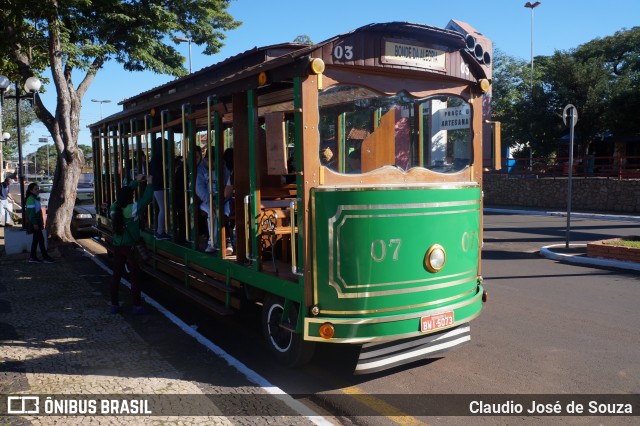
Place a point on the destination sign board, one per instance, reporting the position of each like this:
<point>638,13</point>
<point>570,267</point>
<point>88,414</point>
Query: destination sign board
<point>453,118</point>
<point>399,53</point>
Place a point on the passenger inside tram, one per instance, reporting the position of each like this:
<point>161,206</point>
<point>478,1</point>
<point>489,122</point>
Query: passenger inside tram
<point>178,198</point>
<point>354,161</point>
<point>206,185</point>
<point>229,214</point>
<point>157,171</point>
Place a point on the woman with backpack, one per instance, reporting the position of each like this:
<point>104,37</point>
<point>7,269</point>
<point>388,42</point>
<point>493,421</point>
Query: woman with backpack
<point>126,233</point>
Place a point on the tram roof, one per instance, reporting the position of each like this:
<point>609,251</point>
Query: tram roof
<point>264,58</point>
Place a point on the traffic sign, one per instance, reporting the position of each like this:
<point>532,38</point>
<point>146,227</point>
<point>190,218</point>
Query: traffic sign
<point>568,111</point>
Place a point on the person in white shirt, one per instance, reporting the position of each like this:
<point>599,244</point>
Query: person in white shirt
<point>6,203</point>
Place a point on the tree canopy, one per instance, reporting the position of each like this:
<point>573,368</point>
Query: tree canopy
<point>303,38</point>
<point>73,38</point>
<point>601,78</point>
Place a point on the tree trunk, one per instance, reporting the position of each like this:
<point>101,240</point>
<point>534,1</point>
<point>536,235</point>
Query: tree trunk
<point>65,128</point>
<point>63,195</point>
<point>68,166</point>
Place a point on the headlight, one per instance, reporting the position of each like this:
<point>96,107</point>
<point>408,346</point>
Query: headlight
<point>83,216</point>
<point>435,258</point>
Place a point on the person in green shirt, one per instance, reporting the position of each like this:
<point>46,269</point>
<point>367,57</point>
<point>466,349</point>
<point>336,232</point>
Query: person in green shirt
<point>35,224</point>
<point>126,232</point>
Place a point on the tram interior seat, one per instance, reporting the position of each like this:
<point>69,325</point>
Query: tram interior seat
<point>274,221</point>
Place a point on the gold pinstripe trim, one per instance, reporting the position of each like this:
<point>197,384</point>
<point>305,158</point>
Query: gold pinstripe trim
<point>338,283</point>
<point>389,319</point>
<point>397,308</point>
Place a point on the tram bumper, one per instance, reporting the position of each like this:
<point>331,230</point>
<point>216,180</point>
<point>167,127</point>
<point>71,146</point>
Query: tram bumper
<point>381,356</point>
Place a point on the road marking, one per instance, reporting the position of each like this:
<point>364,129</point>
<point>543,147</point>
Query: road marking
<point>398,416</point>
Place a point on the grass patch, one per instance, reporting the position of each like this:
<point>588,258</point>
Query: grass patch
<point>625,242</point>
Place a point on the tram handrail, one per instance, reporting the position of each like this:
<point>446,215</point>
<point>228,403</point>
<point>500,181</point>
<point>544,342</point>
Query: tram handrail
<point>247,234</point>
<point>292,223</point>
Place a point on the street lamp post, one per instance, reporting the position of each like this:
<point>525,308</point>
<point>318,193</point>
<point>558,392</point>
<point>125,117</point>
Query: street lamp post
<point>45,139</point>
<point>186,40</point>
<point>31,87</point>
<point>105,101</point>
<point>4,137</point>
<point>531,6</point>
<point>4,84</point>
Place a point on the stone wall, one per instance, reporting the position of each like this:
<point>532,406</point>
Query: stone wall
<point>597,194</point>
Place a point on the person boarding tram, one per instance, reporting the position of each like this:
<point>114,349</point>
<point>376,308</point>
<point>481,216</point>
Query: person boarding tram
<point>126,233</point>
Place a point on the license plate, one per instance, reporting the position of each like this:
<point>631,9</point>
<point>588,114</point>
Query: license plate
<point>436,322</point>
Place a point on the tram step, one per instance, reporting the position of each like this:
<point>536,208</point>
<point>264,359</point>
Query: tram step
<point>192,294</point>
<point>189,271</point>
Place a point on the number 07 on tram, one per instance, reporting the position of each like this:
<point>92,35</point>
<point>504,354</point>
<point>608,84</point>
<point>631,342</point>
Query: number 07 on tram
<point>355,215</point>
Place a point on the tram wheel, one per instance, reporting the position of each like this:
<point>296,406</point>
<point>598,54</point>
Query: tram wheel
<point>288,348</point>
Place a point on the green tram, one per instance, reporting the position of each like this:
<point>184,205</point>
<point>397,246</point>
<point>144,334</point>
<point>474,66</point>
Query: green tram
<point>356,215</point>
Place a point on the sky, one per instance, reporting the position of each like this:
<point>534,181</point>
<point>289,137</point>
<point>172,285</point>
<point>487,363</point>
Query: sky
<point>557,25</point>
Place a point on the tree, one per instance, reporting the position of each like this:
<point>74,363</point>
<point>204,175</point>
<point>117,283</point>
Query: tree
<point>601,78</point>
<point>87,151</point>
<point>619,61</point>
<point>581,83</point>
<point>509,97</point>
<point>303,38</point>
<point>75,37</point>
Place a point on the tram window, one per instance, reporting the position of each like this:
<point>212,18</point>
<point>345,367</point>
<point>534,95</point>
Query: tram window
<point>362,130</point>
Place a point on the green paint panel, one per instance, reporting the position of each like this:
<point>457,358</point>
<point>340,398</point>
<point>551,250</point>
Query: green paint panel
<point>392,327</point>
<point>376,242</point>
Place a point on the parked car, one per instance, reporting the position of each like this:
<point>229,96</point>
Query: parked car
<point>45,193</point>
<point>84,212</point>
<point>85,180</point>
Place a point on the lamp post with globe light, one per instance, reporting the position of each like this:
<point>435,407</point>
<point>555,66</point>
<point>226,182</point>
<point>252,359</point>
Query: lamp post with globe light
<point>31,87</point>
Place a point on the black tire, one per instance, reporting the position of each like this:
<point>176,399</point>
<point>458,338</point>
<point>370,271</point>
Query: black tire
<point>288,348</point>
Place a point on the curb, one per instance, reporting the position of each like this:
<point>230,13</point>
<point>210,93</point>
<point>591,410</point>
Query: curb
<point>547,251</point>
<point>589,261</point>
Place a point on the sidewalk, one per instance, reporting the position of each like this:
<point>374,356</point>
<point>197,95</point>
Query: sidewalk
<point>57,337</point>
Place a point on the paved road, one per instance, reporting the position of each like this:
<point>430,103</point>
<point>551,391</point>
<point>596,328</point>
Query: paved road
<point>548,328</point>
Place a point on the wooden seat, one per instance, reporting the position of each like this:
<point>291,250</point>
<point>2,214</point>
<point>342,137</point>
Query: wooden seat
<point>268,223</point>
<point>274,226</point>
